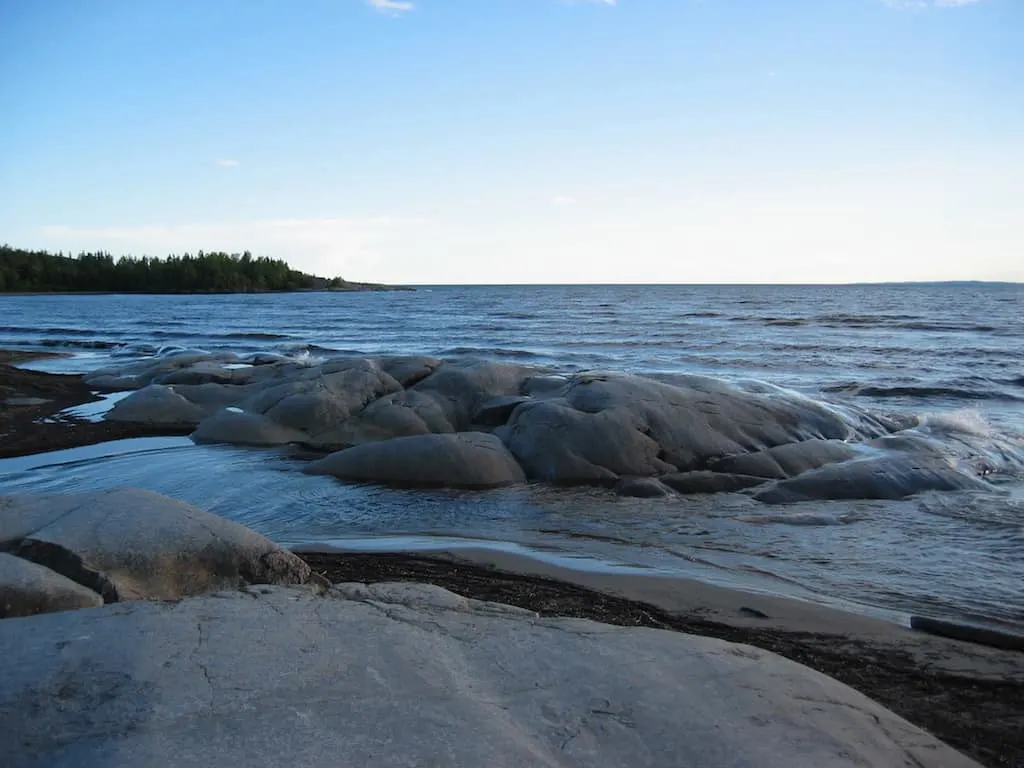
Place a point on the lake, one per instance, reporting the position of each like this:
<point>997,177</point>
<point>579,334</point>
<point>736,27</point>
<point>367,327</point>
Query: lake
<point>951,353</point>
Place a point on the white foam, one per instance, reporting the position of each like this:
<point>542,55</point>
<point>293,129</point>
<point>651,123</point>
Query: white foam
<point>968,421</point>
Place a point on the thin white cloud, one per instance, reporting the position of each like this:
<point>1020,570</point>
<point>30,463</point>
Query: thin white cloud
<point>564,200</point>
<point>225,162</point>
<point>391,7</point>
<point>929,3</point>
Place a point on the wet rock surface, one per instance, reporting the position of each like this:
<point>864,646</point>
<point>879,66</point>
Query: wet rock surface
<point>466,460</point>
<point>693,434</point>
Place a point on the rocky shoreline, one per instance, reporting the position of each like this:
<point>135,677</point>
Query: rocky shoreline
<point>967,695</point>
<point>33,405</point>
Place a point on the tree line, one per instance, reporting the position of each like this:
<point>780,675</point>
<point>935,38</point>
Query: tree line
<point>23,270</point>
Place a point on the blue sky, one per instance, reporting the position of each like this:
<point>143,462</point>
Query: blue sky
<point>499,141</point>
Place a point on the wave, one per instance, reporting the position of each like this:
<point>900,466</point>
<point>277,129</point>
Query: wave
<point>946,327</point>
<point>48,331</point>
<point>516,315</point>
<point>158,323</point>
<point>295,350</point>
<point>251,335</point>
<point>922,391</point>
<point>965,422</point>
<point>899,322</point>
<point>80,343</point>
<point>490,352</point>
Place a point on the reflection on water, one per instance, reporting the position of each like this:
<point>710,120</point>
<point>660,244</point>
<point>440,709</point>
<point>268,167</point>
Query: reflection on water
<point>955,554</point>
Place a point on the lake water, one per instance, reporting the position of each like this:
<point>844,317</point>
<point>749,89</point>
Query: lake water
<point>952,352</point>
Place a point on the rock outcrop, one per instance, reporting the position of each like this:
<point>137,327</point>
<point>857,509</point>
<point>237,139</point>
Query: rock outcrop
<point>690,434</point>
<point>233,425</point>
<point>157,404</point>
<point>880,477</point>
<point>129,544</point>
<point>400,674</point>
<point>466,460</point>
<point>27,589</point>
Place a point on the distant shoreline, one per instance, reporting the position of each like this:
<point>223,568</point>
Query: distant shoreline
<point>362,288</point>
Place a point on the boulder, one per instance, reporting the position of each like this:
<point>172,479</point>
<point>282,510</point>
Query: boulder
<point>703,481</point>
<point>497,410</point>
<point>212,396</point>
<point>545,385</point>
<point>464,460</point>
<point>321,397</point>
<point>405,674</point>
<point>894,476</point>
<point>131,544</point>
<point>27,589</point>
<point>139,374</point>
<point>701,419</point>
<point>206,372</point>
<point>402,414</point>
<point>460,388</point>
<point>555,442</point>
<point>241,428</point>
<point>156,404</point>
<point>601,426</point>
<point>408,370</point>
<point>788,460</point>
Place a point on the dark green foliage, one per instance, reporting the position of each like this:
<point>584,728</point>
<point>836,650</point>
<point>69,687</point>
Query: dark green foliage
<point>22,270</point>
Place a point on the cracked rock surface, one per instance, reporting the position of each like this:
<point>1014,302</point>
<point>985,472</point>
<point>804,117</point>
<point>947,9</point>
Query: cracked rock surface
<point>402,674</point>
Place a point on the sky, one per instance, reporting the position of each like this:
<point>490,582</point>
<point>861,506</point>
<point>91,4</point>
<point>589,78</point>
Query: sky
<point>524,141</point>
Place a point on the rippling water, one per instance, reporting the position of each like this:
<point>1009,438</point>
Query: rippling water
<point>955,352</point>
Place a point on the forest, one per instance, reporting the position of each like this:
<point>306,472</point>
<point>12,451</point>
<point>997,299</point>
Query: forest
<point>215,272</point>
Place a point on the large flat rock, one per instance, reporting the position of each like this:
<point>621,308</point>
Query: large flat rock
<point>394,675</point>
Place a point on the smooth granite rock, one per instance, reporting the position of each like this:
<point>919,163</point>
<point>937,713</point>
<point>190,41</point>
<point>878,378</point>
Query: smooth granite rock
<point>788,460</point>
<point>403,675</point>
<point>27,589</point>
<point>21,516</point>
<point>402,414</point>
<point>408,370</point>
<point>461,387</point>
<point>606,425</point>
<point>465,460</point>
<point>497,410</point>
<point>556,442</point>
<point>240,428</point>
<point>139,374</point>
<point>883,477</point>
<point>698,433</point>
<point>321,397</point>
<point>132,544</point>
<point>156,404</point>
